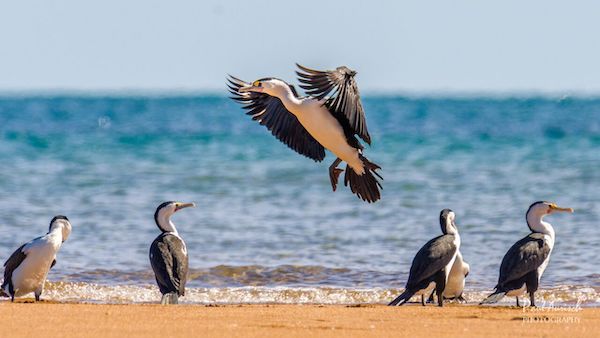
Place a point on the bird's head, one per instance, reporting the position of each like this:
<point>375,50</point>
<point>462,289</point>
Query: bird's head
<point>61,222</point>
<point>540,209</point>
<point>447,224</point>
<point>163,214</point>
<point>270,86</point>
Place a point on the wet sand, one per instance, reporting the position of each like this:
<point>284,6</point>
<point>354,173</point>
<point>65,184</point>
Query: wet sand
<point>90,320</point>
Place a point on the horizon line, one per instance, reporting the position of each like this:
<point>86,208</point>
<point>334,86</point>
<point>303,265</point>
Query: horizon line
<point>191,92</point>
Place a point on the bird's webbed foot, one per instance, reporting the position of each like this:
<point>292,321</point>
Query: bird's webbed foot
<point>334,173</point>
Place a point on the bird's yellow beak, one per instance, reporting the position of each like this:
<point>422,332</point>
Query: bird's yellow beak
<point>555,207</point>
<point>179,205</point>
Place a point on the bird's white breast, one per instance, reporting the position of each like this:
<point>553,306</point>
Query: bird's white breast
<point>31,274</point>
<point>456,279</point>
<point>549,240</point>
<point>448,267</point>
<point>321,125</point>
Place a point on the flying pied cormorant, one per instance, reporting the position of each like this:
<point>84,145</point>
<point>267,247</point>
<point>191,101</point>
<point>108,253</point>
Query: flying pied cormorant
<point>26,269</point>
<point>524,263</point>
<point>316,122</point>
<point>168,254</point>
<point>431,266</point>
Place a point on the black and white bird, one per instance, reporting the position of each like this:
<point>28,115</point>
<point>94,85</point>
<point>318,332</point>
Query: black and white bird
<point>456,280</point>
<point>27,268</point>
<point>316,122</point>
<point>431,266</point>
<point>524,263</point>
<point>168,254</point>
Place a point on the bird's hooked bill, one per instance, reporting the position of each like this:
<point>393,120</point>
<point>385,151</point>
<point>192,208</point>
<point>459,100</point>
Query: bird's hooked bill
<point>179,206</point>
<point>555,207</point>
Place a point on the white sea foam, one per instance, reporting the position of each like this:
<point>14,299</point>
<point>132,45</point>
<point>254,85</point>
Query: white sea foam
<point>118,294</point>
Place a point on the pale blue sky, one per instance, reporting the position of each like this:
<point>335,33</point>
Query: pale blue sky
<point>416,46</point>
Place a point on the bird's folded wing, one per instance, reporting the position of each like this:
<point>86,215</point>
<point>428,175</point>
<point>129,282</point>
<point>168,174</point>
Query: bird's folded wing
<point>344,102</point>
<point>13,262</point>
<point>270,112</point>
<point>431,258</point>
<point>523,257</point>
<point>163,266</point>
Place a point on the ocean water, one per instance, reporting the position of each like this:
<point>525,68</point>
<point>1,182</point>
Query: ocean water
<point>267,227</point>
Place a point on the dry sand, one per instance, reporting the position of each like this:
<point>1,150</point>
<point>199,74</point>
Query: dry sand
<point>89,320</point>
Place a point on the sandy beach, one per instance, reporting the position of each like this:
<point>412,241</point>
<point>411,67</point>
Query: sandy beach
<point>90,320</point>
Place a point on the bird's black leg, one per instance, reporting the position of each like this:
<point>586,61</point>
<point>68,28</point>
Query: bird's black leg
<point>430,300</point>
<point>174,298</point>
<point>532,284</point>
<point>440,285</point>
<point>38,293</point>
<point>334,173</point>
<point>423,300</point>
<point>461,299</point>
<point>518,305</point>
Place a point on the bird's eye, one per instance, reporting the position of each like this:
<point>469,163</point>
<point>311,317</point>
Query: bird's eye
<point>256,83</point>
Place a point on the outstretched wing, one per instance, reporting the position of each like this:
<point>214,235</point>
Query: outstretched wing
<point>271,113</point>
<point>344,102</point>
<point>524,256</point>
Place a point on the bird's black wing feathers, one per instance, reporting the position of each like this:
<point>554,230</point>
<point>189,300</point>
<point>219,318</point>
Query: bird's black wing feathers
<point>169,263</point>
<point>12,263</point>
<point>271,113</point>
<point>344,102</point>
<point>524,256</point>
<point>431,258</point>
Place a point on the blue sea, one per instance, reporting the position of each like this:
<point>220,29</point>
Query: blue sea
<point>267,227</point>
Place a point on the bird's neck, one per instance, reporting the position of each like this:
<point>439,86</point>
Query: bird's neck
<point>537,224</point>
<point>166,225</point>
<point>456,239</point>
<point>56,236</point>
<point>289,100</point>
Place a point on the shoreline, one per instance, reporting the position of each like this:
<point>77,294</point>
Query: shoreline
<point>276,320</point>
<point>84,292</point>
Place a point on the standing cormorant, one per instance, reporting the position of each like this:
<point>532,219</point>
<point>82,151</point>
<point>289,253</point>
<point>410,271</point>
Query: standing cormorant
<point>524,263</point>
<point>311,124</point>
<point>456,280</point>
<point>431,266</point>
<point>27,268</point>
<point>168,254</point>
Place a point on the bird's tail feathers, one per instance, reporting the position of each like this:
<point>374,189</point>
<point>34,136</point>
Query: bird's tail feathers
<point>365,186</point>
<point>494,297</point>
<point>403,298</point>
